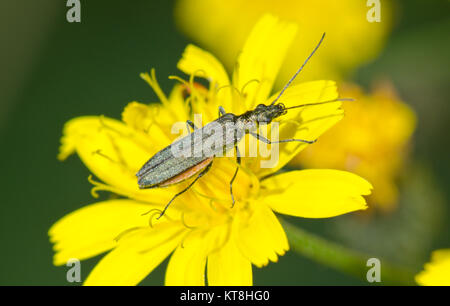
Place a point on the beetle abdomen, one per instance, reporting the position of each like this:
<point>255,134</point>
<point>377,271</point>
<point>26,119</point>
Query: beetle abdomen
<point>167,170</point>
<point>187,174</point>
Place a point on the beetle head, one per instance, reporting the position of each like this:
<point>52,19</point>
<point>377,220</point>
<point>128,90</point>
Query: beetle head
<point>264,114</point>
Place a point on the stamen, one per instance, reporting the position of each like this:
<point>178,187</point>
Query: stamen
<point>195,74</point>
<point>249,82</point>
<point>102,187</point>
<point>154,112</point>
<point>177,78</point>
<point>212,206</point>
<point>103,125</point>
<point>228,86</point>
<point>122,234</point>
<point>130,135</point>
<point>119,154</point>
<point>121,161</point>
<point>217,200</point>
<point>194,97</point>
<point>151,210</point>
<point>175,235</point>
<point>191,87</point>
<point>154,212</point>
<point>99,152</point>
<point>185,224</point>
<point>185,237</point>
<point>153,82</point>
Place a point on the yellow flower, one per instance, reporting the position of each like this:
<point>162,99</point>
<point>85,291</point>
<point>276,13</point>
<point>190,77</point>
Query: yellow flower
<point>222,27</point>
<point>371,141</point>
<point>436,272</point>
<point>200,227</point>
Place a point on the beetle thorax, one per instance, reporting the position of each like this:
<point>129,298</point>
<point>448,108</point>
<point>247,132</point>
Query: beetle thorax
<point>246,124</point>
<point>262,114</point>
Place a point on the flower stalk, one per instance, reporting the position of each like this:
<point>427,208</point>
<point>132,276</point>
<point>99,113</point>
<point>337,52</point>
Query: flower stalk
<point>341,258</point>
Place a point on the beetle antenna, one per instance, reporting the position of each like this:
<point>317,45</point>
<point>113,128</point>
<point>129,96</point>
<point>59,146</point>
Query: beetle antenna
<point>298,71</point>
<point>319,103</point>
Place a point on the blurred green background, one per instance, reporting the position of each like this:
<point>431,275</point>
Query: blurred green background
<point>52,70</point>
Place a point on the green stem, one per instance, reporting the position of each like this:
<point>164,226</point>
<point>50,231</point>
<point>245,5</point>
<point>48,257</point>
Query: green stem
<point>341,258</point>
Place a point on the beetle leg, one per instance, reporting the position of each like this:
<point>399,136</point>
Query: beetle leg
<point>263,139</point>
<point>221,111</point>
<point>238,160</point>
<point>184,190</point>
<point>190,124</point>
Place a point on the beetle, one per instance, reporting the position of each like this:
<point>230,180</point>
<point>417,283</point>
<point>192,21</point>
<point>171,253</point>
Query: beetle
<point>165,169</point>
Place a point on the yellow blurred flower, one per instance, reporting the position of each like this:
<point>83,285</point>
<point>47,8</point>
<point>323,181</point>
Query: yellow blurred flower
<point>372,141</point>
<point>200,227</point>
<point>222,27</point>
<point>436,272</point>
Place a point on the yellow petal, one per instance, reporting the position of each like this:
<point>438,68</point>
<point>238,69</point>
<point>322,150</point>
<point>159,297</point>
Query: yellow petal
<point>114,152</point>
<point>307,123</point>
<point>260,236</point>
<point>217,182</point>
<point>178,104</point>
<point>225,30</point>
<point>141,116</point>
<point>376,148</point>
<point>92,230</point>
<point>200,63</point>
<point>316,193</point>
<point>153,120</point>
<point>440,255</point>
<point>187,264</point>
<point>228,267</point>
<point>261,59</point>
<point>136,256</point>
<point>174,108</point>
<point>436,272</point>
<point>203,64</point>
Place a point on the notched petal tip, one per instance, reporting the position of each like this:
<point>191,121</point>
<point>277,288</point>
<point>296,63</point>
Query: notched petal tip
<point>68,139</point>
<point>260,238</point>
